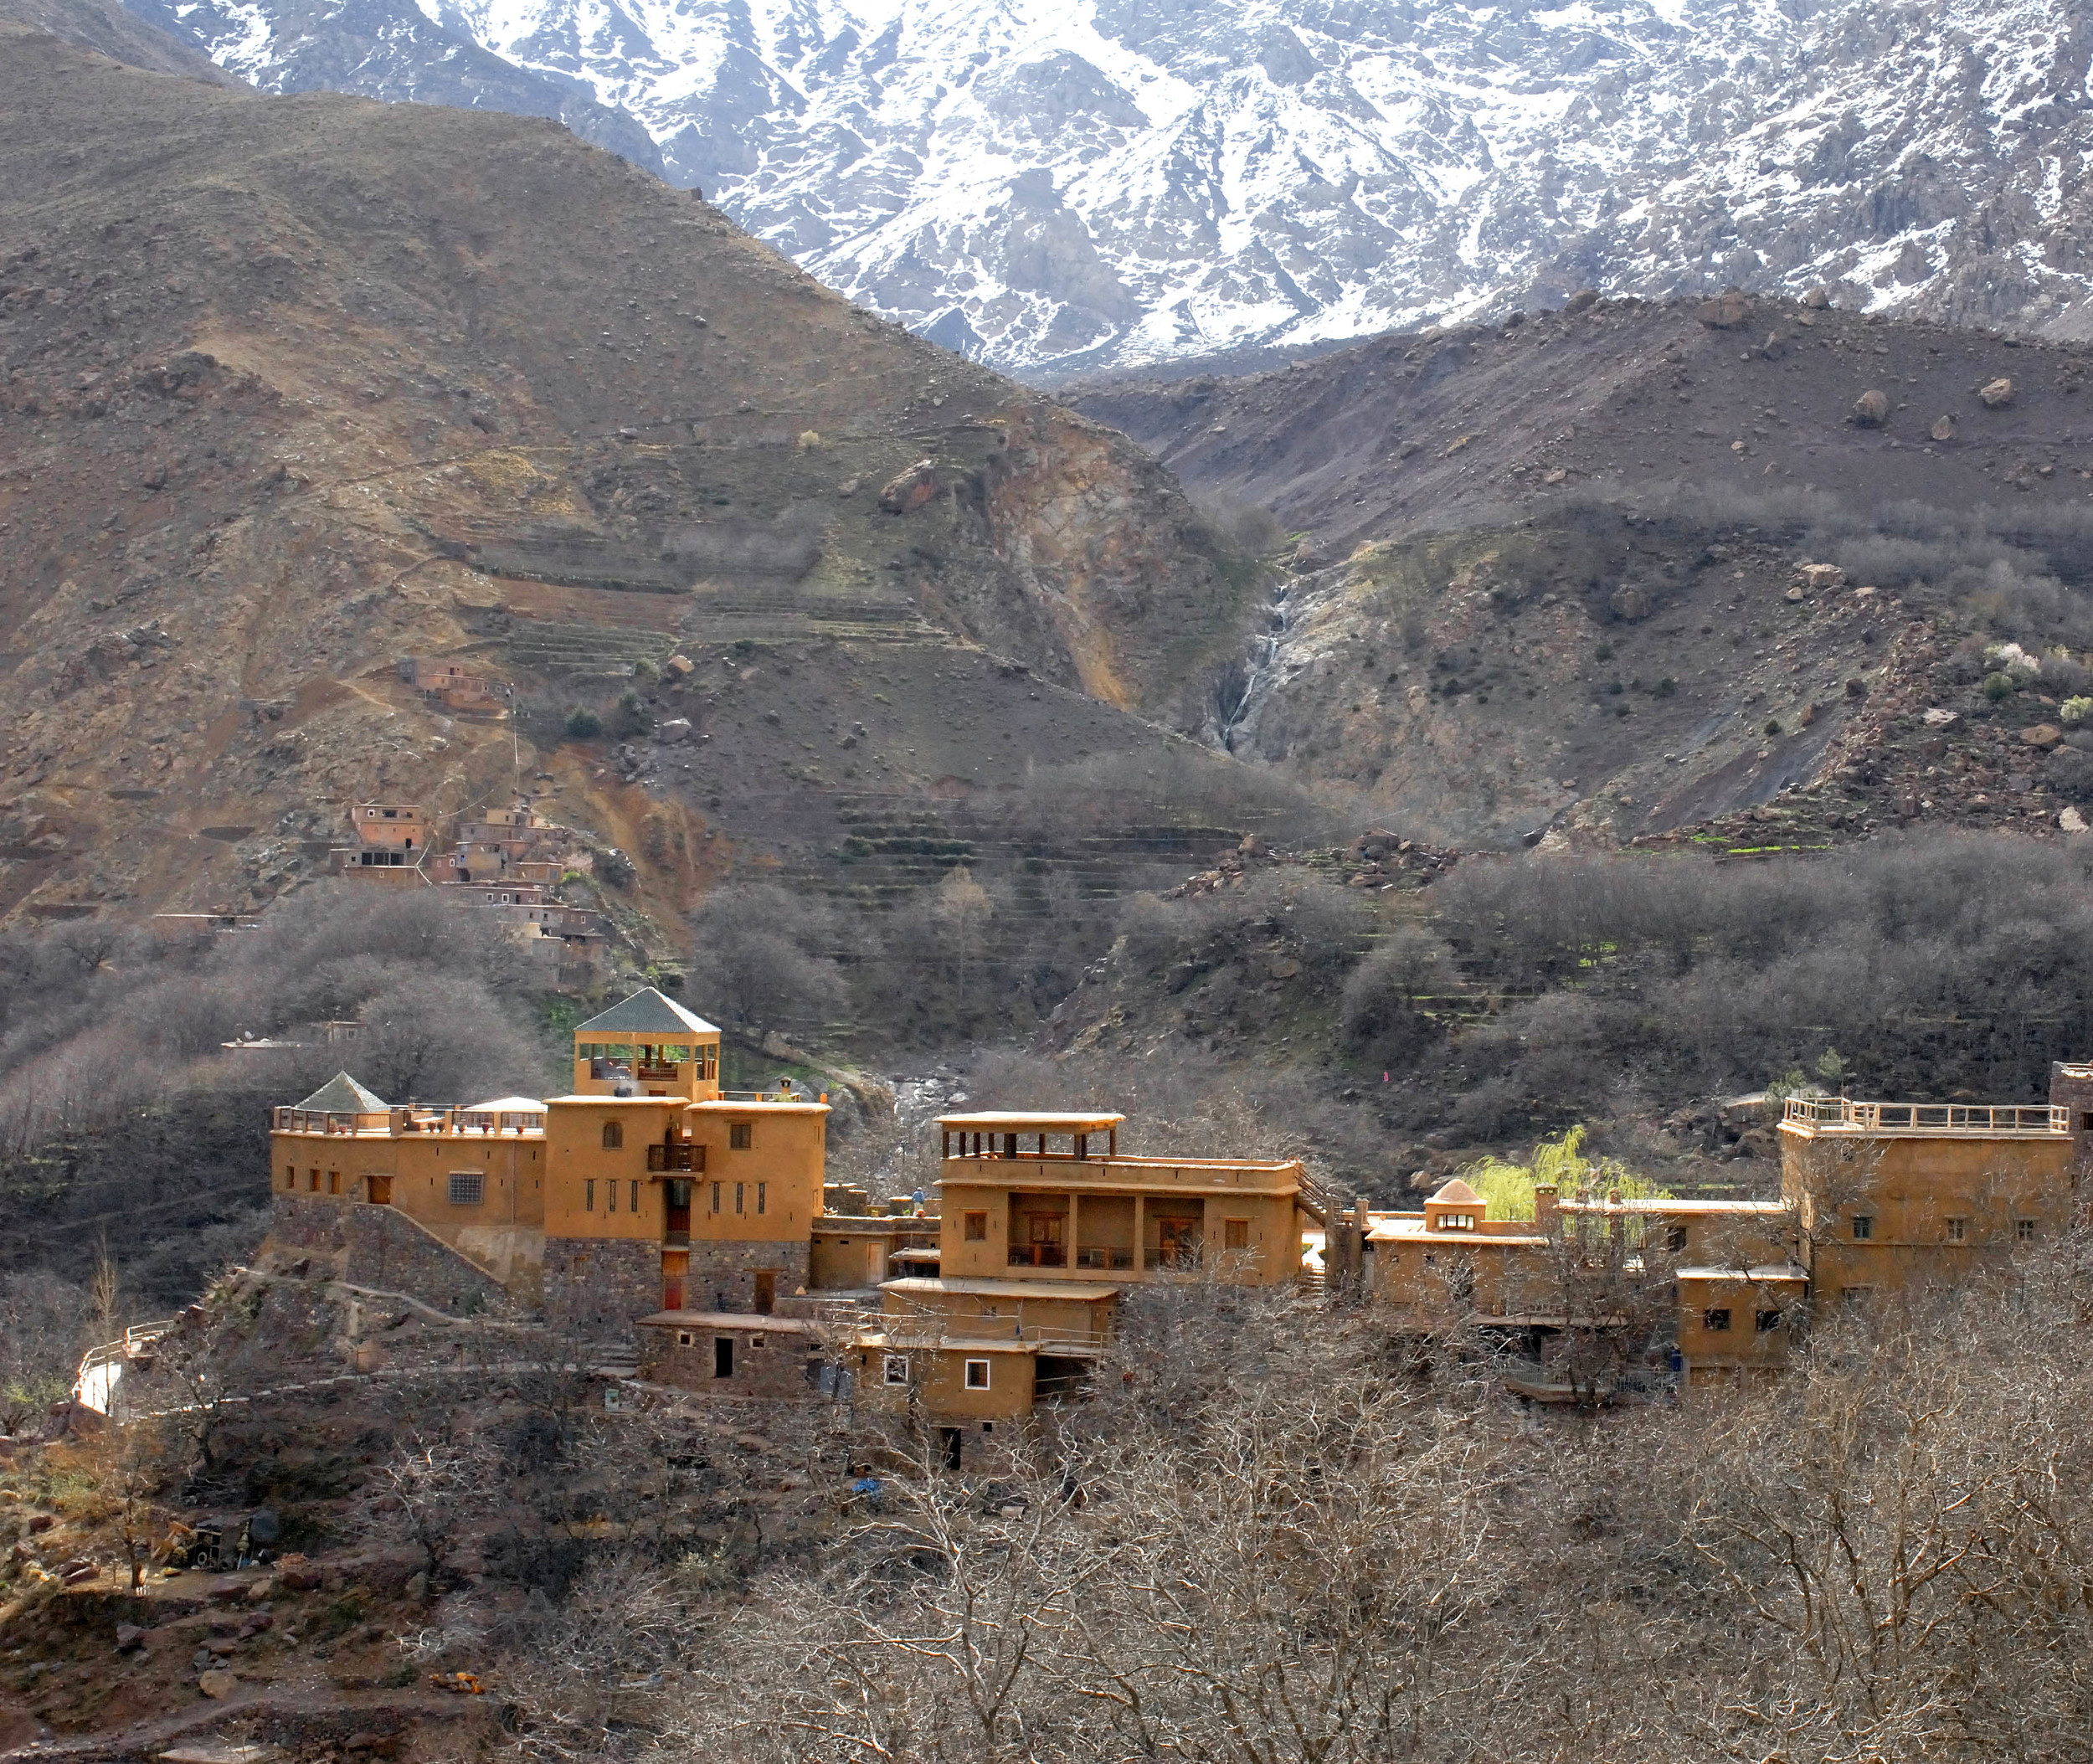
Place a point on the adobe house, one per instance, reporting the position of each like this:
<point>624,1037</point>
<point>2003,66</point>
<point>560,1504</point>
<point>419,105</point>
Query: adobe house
<point>391,843</point>
<point>1890,1194</point>
<point>1043,1225</point>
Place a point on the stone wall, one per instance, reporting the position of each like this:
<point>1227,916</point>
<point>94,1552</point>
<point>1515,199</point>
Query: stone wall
<point>683,1355</point>
<point>723,1276</point>
<point>315,1223</point>
<point>388,1250</point>
<point>602,1284</point>
<point>381,1247</point>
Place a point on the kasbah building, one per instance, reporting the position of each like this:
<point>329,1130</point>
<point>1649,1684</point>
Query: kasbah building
<point>689,1232</point>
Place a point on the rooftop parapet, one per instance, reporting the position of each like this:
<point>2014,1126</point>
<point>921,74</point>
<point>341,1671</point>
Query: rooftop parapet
<point>1823,1116</point>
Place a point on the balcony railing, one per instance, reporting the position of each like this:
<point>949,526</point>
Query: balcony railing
<point>1038,1255</point>
<point>665,1158</point>
<point>1107,1259</point>
<point>1841,1115</point>
<point>660,1072</point>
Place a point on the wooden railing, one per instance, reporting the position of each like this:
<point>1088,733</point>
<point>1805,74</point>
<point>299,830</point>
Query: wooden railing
<point>661,1158</point>
<point>1843,1114</point>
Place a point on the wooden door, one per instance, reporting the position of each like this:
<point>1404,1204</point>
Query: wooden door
<point>766,1290</point>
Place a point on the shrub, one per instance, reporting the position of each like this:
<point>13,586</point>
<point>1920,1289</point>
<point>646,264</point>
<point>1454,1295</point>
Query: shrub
<point>630,716</point>
<point>2073,712</point>
<point>583,724</point>
<point>1998,686</point>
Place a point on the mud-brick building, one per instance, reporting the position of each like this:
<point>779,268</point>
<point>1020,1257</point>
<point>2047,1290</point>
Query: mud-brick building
<point>1042,1227</point>
<point>1891,1195</point>
<point>390,843</point>
<point>646,1189</point>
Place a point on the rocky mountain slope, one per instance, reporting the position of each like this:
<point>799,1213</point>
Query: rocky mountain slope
<point>1554,574</point>
<point>292,388</point>
<point>1057,186</point>
<point>105,26</point>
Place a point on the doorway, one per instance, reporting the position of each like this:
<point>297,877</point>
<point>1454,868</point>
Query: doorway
<point>679,1210</point>
<point>766,1291</point>
<point>951,1441</point>
<point>722,1356</point>
<point>381,1191</point>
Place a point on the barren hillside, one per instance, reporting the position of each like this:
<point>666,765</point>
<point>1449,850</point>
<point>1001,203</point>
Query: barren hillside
<point>294,388</point>
<point>1550,573</point>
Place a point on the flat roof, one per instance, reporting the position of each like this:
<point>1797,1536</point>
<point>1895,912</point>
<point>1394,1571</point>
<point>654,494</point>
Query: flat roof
<point>730,1320</point>
<point>963,1343</point>
<point>722,1105</point>
<point>1009,1121</point>
<point>922,1283</point>
<point>1409,1230</point>
<point>672,1101</point>
<point>1659,1205</point>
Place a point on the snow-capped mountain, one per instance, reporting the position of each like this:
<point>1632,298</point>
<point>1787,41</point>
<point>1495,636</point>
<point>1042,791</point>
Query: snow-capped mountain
<point>1061,184</point>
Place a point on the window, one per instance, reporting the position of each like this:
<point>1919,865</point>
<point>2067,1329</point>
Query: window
<point>1957,1230</point>
<point>1235,1234</point>
<point>740,1135</point>
<point>739,1188</point>
<point>290,1176</point>
<point>633,1198</point>
<point>2024,1230</point>
<point>467,1187</point>
<point>589,1196</point>
<point>1864,1227</point>
<point>312,1181</point>
<point>755,1342</point>
<point>897,1368</point>
<point>610,1197</point>
<point>763,1191</point>
<point>1675,1240</point>
<point>977,1227</point>
<point>1457,1222</point>
<point>614,1135</point>
<point>682,1338</point>
<point>977,1375</point>
<point>1768,1321</point>
<point>334,1181</point>
<point>1715,1319</point>
<point>715,1197</point>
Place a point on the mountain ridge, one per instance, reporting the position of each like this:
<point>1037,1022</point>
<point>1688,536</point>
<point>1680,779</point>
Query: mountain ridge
<point>1063,188</point>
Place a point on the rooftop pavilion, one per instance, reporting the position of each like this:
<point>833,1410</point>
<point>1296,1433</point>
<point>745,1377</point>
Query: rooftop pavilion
<point>1834,1117</point>
<point>647,1045</point>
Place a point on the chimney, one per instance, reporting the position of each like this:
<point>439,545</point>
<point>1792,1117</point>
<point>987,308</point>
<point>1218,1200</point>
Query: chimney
<point>1545,1207</point>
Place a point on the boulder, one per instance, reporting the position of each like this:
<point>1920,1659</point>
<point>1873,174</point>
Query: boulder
<point>2043,735</point>
<point>680,665</point>
<point>1583,299</point>
<point>1998,394</point>
<point>1943,428</point>
<point>1818,578</point>
<point>1817,298</point>
<point>1727,311</point>
<point>2071,821</point>
<point>1629,602</point>
<point>675,729</point>
<point>217,1683</point>
<point>128,1635</point>
<point>909,491</point>
<point>1871,409</point>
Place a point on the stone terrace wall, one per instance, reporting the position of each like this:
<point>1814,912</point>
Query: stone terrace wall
<point>381,1247</point>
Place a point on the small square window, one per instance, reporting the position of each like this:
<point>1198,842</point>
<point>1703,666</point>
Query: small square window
<point>1768,1321</point>
<point>1235,1234</point>
<point>1864,1227</point>
<point>755,1341</point>
<point>977,1375</point>
<point>682,1338</point>
<point>1716,1319</point>
<point>740,1135</point>
<point>467,1187</point>
<point>2024,1230</point>
<point>1675,1240</point>
<point>897,1368</point>
<point>1957,1230</point>
<point>977,1227</point>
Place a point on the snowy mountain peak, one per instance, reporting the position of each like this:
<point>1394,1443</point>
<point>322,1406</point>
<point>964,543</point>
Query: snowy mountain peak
<point>1058,184</point>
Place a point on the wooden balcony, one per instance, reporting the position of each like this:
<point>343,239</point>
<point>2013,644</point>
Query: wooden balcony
<point>1814,1115</point>
<point>663,1159</point>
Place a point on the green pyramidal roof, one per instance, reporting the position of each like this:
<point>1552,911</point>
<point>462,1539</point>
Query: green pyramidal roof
<point>342,1095</point>
<point>646,1012</point>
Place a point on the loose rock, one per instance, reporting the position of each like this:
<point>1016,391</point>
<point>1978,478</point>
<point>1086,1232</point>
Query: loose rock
<point>1998,394</point>
<point>1871,409</point>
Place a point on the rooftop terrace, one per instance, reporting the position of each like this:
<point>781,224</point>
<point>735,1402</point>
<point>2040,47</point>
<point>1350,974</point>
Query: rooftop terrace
<point>1825,1117</point>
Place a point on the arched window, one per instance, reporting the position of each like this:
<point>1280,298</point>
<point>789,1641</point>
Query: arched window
<point>614,1135</point>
